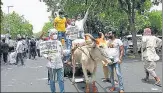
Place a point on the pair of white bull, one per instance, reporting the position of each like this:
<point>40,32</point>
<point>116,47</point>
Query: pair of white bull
<point>88,56</point>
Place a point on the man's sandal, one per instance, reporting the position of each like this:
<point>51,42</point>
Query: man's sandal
<point>112,89</point>
<point>121,91</point>
<point>158,83</point>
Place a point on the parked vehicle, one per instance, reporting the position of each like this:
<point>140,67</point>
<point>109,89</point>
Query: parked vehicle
<point>139,38</point>
<point>159,50</point>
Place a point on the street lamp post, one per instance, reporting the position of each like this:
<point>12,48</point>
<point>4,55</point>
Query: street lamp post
<point>8,13</point>
<point>9,8</point>
<point>8,35</point>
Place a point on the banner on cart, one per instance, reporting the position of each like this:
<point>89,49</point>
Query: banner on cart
<point>48,47</point>
<point>73,32</point>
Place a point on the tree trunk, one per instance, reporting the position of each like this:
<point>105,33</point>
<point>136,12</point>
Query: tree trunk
<point>133,32</point>
<point>131,16</point>
<point>134,38</point>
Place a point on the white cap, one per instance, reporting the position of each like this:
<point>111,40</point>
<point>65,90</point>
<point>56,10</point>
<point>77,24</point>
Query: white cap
<point>51,31</point>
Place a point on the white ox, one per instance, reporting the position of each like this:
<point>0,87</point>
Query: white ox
<point>88,56</point>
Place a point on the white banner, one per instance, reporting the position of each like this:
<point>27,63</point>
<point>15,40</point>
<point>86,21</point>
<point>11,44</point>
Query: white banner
<point>72,32</point>
<point>51,49</point>
<point>48,47</point>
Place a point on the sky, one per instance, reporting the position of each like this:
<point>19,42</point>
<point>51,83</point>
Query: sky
<point>35,11</point>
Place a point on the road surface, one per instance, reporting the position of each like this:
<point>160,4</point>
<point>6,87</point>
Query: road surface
<point>33,78</point>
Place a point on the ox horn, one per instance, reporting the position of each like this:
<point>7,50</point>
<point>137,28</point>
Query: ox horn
<point>91,37</point>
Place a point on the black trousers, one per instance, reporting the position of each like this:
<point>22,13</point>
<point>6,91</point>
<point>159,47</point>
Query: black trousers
<point>38,52</point>
<point>0,57</point>
<point>11,49</point>
<point>5,56</point>
<point>24,54</point>
<point>32,52</point>
<point>19,56</point>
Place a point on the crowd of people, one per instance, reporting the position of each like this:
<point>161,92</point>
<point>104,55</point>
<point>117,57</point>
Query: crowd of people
<point>17,50</point>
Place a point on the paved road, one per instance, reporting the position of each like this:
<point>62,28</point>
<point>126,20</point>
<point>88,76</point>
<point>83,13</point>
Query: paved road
<point>33,78</point>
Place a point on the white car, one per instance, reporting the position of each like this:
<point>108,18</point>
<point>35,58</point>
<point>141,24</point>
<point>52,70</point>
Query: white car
<point>159,50</point>
<point>139,38</point>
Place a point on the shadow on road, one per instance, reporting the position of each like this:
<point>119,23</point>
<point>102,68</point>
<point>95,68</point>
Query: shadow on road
<point>107,89</point>
<point>81,86</point>
<point>151,81</point>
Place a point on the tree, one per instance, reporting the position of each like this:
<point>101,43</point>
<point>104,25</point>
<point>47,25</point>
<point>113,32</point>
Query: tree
<point>46,27</point>
<point>15,24</point>
<point>53,5</point>
<point>131,7</point>
<point>155,18</point>
<point>1,15</point>
<point>121,15</point>
<point>141,22</point>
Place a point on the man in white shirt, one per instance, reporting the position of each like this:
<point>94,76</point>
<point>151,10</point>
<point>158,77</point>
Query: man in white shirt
<point>116,52</point>
<point>80,24</point>
<point>19,51</point>
<point>70,34</point>
<point>55,63</point>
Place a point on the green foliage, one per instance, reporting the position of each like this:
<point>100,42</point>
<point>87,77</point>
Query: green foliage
<point>46,27</point>
<point>141,21</point>
<point>15,24</point>
<point>155,18</point>
<point>116,14</point>
<point>121,15</point>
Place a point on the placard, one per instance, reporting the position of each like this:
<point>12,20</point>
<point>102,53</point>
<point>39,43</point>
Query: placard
<point>73,32</point>
<point>48,47</point>
<point>51,49</point>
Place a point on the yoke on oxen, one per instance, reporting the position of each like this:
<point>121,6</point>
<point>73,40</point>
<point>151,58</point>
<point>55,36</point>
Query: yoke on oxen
<point>78,43</point>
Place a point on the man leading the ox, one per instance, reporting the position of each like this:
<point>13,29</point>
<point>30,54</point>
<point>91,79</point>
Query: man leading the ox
<point>149,43</point>
<point>55,64</point>
<point>101,41</point>
<point>117,51</point>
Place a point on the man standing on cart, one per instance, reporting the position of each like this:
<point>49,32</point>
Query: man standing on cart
<point>60,25</point>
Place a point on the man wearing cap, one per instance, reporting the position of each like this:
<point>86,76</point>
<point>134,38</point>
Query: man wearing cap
<point>55,63</point>
<point>149,44</point>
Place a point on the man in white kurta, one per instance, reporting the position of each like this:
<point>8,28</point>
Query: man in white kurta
<point>149,44</point>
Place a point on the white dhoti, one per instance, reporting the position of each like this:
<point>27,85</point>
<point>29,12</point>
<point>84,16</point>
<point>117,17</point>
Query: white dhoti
<point>150,67</point>
<point>150,57</point>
